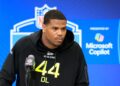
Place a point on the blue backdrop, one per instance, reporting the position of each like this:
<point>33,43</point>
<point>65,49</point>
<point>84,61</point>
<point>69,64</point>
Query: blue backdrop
<point>97,20</point>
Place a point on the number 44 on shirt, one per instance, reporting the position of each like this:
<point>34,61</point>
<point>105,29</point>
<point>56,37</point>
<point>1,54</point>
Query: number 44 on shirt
<point>54,70</point>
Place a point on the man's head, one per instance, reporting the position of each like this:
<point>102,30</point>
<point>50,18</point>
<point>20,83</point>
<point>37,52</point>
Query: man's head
<point>54,29</point>
<point>53,14</point>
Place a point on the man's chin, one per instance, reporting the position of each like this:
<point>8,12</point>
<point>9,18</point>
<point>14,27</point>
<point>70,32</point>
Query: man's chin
<point>58,44</point>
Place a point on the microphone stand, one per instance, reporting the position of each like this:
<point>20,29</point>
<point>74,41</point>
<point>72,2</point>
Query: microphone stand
<point>28,76</point>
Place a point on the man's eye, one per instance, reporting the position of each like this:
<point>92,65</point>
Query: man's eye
<point>63,28</point>
<point>55,28</point>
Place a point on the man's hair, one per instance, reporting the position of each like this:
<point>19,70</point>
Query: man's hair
<point>53,14</point>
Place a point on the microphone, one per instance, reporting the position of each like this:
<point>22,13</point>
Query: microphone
<point>30,63</point>
<point>29,67</point>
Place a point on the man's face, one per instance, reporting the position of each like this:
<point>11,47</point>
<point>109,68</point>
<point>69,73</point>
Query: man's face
<point>54,32</point>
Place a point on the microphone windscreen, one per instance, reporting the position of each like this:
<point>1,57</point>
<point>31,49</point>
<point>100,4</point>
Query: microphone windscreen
<point>30,61</point>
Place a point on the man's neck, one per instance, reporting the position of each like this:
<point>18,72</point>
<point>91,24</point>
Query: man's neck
<point>45,43</point>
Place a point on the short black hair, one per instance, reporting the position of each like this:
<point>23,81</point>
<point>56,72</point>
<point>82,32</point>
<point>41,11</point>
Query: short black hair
<point>53,14</point>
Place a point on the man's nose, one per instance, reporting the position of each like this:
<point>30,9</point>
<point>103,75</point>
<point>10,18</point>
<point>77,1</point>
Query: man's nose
<point>59,32</point>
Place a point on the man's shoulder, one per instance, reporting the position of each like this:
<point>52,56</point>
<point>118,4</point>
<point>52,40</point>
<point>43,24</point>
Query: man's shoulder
<point>24,39</point>
<point>28,38</point>
<point>75,44</point>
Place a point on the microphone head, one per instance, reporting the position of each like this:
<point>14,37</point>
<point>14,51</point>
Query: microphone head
<point>30,62</point>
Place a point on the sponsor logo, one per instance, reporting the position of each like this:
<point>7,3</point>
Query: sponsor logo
<point>99,49</point>
<point>99,37</point>
<point>99,28</point>
<point>50,55</point>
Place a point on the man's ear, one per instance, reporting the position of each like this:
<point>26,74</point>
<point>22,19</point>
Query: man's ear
<point>43,27</point>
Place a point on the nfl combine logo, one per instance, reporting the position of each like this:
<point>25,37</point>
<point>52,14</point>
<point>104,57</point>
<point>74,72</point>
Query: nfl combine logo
<point>16,33</point>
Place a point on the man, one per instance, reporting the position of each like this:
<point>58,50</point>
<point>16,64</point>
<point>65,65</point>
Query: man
<point>59,60</point>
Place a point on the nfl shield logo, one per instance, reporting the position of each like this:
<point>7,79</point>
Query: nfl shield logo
<point>39,13</point>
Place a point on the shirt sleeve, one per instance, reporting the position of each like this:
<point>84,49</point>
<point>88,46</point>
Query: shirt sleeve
<point>82,79</point>
<point>82,74</point>
<point>7,73</point>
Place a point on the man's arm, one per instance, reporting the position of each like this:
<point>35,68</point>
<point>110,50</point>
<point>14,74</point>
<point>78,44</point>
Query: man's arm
<point>7,73</point>
<point>82,74</point>
<point>82,78</point>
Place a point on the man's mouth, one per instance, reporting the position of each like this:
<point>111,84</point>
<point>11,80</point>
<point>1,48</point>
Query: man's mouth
<point>60,39</point>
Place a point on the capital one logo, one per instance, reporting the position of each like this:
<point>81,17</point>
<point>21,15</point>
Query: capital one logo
<point>16,33</point>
